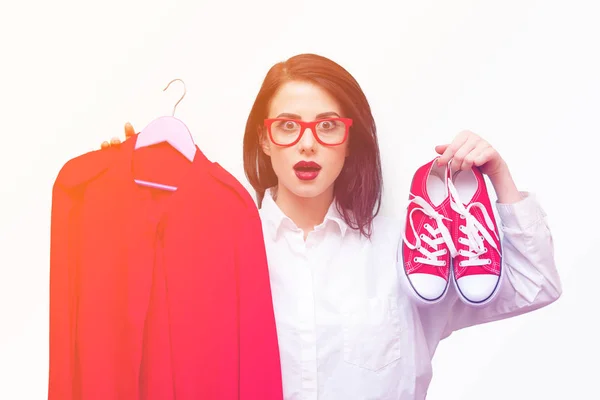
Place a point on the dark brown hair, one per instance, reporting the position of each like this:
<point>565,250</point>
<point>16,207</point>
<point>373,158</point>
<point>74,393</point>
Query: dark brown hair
<point>358,188</point>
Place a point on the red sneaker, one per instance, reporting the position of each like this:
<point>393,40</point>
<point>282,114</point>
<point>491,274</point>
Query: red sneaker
<point>427,243</point>
<point>477,266</point>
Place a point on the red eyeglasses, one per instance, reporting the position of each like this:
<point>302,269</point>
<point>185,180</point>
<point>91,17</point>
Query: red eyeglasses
<point>328,131</point>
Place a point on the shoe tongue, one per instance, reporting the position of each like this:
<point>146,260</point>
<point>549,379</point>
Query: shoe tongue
<point>438,173</point>
<point>436,190</point>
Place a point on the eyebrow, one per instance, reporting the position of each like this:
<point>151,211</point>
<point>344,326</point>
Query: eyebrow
<point>322,115</point>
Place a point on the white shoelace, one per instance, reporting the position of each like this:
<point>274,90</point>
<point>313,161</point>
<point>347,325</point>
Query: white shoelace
<point>437,236</point>
<point>474,232</point>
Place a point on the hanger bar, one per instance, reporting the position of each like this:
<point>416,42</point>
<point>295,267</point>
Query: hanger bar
<point>155,185</point>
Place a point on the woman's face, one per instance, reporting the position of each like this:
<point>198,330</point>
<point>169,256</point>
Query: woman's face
<point>307,102</point>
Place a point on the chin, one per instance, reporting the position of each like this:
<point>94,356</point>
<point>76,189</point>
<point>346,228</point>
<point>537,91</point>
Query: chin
<point>307,192</point>
<point>305,189</point>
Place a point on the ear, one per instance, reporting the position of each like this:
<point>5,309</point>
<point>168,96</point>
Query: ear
<point>265,143</point>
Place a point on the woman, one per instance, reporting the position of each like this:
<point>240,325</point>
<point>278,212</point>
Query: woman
<point>347,326</point>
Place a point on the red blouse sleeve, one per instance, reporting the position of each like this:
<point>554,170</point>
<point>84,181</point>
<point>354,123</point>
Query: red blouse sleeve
<point>62,293</point>
<point>260,368</point>
<point>65,226</point>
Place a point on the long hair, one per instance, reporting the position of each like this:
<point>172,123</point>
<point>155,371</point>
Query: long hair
<point>358,188</point>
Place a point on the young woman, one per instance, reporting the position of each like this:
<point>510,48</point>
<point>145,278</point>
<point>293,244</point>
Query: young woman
<point>347,326</point>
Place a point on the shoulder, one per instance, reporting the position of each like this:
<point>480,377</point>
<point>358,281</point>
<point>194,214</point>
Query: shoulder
<point>232,185</point>
<point>83,168</point>
<point>386,232</point>
<point>386,225</point>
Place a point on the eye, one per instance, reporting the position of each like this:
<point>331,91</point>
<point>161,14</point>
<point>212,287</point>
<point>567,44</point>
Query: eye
<point>327,125</point>
<point>289,125</point>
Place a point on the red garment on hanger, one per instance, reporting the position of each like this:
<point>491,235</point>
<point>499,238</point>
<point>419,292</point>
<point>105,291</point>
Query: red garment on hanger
<point>155,294</point>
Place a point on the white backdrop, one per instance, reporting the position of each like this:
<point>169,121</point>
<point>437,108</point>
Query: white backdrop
<point>523,74</point>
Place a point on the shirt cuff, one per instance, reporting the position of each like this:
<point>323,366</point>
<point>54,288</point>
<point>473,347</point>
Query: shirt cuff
<point>521,215</point>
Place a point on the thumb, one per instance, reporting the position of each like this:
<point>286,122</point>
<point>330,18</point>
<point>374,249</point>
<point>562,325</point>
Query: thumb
<point>440,149</point>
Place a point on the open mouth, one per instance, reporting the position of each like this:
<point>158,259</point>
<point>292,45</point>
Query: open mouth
<point>307,170</point>
<point>307,166</point>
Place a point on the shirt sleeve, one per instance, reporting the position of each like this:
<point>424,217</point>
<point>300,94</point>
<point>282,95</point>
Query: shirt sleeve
<point>260,368</point>
<point>65,229</point>
<point>62,294</point>
<point>530,279</point>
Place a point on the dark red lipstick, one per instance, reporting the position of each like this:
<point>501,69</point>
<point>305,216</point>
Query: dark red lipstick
<point>307,170</point>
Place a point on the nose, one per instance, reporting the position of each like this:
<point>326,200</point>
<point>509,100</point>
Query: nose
<point>307,141</point>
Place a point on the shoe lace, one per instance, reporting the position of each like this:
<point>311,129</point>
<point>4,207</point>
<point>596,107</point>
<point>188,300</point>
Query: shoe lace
<point>436,237</point>
<point>474,233</point>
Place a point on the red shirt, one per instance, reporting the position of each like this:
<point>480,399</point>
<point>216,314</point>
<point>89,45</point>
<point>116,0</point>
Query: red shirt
<point>156,294</point>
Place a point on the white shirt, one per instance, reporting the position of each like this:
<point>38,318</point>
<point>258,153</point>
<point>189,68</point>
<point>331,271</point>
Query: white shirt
<point>346,327</point>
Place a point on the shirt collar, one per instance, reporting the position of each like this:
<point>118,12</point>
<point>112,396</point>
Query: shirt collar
<point>275,219</point>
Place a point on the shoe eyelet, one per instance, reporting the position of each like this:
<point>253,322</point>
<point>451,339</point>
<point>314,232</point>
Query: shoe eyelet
<point>422,236</point>
<point>415,259</point>
<point>462,216</point>
<point>489,261</point>
<point>444,264</point>
<point>426,225</point>
<point>460,264</point>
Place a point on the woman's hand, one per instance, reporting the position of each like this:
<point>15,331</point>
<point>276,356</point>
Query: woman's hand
<point>115,141</point>
<point>468,150</point>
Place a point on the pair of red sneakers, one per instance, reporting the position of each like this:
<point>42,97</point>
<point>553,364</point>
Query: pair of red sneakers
<point>451,233</point>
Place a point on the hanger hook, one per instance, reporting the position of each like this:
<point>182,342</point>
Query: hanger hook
<point>181,98</point>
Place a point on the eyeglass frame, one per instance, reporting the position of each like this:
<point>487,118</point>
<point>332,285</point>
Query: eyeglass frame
<point>304,125</point>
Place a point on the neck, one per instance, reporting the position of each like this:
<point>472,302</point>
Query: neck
<point>306,212</point>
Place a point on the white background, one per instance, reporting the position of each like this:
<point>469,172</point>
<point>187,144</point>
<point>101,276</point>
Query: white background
<point>523,74</point>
